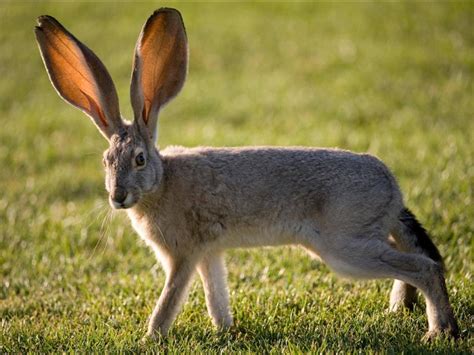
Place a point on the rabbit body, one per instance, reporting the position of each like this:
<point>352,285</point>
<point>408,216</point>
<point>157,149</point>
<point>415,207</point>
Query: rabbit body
<point>219,198</point>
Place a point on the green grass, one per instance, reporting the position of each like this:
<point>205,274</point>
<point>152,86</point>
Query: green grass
<point>395,80</point>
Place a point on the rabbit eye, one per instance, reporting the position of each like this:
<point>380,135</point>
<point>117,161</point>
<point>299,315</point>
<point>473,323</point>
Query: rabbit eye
<point>140,159</point>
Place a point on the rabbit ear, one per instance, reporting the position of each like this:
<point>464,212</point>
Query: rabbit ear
<point>159,68</point>
<point>78,75</point>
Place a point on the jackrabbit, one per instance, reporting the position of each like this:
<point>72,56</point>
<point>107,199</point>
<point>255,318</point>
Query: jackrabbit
<point>190,205</point>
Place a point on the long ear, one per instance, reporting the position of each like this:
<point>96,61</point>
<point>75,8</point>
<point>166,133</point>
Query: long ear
<point>78,75</point>
<point>159,67</point>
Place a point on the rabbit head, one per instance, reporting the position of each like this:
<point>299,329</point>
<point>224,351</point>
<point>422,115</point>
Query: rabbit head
<point>132,163</point>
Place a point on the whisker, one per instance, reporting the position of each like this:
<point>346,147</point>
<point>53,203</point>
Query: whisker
<point>97,211</point>
<point>111,216</point>
<point>101,235</point>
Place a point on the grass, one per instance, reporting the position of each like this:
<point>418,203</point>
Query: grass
<point>392,79</point>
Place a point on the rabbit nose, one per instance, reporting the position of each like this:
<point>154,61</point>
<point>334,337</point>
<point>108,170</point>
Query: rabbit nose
<point>119,195</point>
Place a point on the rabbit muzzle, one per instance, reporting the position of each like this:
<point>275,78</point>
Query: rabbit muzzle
<point>121,198</point>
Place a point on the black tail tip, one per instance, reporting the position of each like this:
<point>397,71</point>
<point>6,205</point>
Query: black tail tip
<point>423,240</point>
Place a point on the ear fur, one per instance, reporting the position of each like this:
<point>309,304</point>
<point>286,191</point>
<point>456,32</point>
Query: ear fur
<point>159,68</point>
<point>78,75</point>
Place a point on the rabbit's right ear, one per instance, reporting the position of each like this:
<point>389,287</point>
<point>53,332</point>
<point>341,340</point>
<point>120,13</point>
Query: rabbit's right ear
<point>159,67</point>
<point>78,75</point>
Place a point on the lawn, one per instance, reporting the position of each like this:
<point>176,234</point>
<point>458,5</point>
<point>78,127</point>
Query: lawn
<point>393,79</point>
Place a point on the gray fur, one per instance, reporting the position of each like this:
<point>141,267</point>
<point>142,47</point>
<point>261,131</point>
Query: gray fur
<point>190,205</point>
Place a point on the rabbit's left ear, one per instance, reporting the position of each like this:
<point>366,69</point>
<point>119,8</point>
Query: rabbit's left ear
<point>159,67</point>
<point>78,75</point>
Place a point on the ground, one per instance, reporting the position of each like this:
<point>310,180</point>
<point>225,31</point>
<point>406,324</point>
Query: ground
<point>395,80</point>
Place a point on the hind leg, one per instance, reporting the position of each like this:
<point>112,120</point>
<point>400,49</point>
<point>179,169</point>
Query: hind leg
<point>402,294</point>
<point>408,235</point>
<point>371,258</point>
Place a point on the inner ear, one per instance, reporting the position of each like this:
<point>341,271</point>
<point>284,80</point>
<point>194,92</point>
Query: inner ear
<point>78,75</point>
<point>159,68</point>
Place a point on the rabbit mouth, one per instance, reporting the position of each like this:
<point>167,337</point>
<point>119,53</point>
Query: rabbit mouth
<point>127,202</point>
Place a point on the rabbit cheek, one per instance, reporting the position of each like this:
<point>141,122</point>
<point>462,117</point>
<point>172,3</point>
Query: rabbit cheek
<point>147,180</point>
<point>152,175</point>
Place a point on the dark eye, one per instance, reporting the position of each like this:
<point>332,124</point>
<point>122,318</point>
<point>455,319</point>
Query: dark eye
<point>140,159</point>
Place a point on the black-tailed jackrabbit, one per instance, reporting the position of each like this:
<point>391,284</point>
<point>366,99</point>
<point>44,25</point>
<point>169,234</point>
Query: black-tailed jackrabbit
<point>192,204</point>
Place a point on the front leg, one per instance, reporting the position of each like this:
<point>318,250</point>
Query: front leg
<point>172,297</point>
<point>214,279</point>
